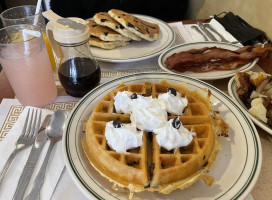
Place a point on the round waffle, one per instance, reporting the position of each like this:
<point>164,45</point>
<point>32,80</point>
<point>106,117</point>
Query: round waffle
<point>151,167</point>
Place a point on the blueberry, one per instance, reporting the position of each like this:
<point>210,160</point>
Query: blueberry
<point>130,25</point>
<point>116,123</point>
<point>172,91</point>
<point>176,123</point>
<point>103,20</point>
<point>133,96</point>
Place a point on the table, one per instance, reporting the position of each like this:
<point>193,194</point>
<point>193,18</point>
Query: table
<point>262,189</point>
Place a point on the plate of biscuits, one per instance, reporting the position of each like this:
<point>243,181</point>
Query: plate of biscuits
<point>207,167</point>
<point>117,36</point>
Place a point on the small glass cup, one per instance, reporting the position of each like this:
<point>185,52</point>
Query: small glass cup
<point>26,15</point>
<point>27,66</point>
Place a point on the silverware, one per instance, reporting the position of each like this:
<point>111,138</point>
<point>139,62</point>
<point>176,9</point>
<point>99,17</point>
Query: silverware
<point>199,31</point>
<point>202,28</point>
<point>215,31</point>
<point>32,161</point>
<point>56,125</point>
<point>26,139</point>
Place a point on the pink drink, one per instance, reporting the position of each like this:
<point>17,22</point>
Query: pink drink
<point>29,74</point>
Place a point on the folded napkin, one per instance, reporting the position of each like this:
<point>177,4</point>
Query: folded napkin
<point>54,168</point>
<point>241,30</point>
<point>197,37</point>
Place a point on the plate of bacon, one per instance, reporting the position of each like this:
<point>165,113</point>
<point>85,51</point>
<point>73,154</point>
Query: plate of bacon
<point>210,60</point>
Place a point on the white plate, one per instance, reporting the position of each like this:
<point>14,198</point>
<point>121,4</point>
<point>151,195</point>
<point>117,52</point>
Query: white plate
<point>211,75</point>
<point>232,91</point>
<point>138,50</point>
<point>235,169</point>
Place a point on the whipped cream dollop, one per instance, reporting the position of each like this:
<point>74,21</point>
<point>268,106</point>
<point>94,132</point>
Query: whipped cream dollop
<point>147,113</point>
<point>174,103</point>
<point>173,135</point>
<point>122,101</point>
<point>123,137</point>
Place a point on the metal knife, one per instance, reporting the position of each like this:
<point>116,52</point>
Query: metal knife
<point>35,152</point>
<point>201,26</point>
<point>214,30</point>
<point>199,31</point>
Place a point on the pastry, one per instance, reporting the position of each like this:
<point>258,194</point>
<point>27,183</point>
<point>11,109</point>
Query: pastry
<point>95,41</point>
<point>104,19</point>
<point>146,30</point>
<point>105,33</point>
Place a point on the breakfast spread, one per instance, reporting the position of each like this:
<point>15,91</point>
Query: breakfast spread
<point>153,136</point>
<point>255,90</point>
<point>209,58</point>
<point>118,28</point>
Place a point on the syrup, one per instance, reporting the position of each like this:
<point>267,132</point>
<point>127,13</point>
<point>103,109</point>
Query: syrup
<point>79,75</point>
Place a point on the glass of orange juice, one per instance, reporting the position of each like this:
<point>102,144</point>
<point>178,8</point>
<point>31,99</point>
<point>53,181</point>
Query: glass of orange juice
<point>26,15</point>
<point>26,64</point>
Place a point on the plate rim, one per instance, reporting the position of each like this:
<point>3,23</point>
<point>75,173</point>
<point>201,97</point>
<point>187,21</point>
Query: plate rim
<point>160,22</point>
<point>231,90</point>
<point>256,167</point>
<point>163,54</point>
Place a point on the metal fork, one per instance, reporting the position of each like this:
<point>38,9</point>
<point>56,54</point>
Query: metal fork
<point>26,138</point>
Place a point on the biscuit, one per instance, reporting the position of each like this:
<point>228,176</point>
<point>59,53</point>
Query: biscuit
<point>95,41</point>
<point>105,33</point>
<point>104,19</point>
<point>146,30</point>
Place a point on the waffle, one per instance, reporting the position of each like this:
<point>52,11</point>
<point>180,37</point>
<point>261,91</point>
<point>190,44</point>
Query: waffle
<point>151,167</point>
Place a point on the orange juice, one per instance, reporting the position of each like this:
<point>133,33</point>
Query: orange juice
<point>50,52</point>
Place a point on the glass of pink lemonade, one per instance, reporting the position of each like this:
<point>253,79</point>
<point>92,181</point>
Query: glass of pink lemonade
<point>27,66</point>
<point>27,15</point>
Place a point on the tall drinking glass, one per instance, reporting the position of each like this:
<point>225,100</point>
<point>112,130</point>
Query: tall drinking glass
<point>26,15</point>
<point>27,66</point>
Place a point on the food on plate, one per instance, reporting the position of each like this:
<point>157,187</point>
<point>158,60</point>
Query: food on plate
<point>255,90</point>
<point>116,28</point>
<point>146,30</point>
<point>105,33</point>
<point>153,136</point>
<point>209,58</point>
<point>94,41</point>
<point>104,19</point>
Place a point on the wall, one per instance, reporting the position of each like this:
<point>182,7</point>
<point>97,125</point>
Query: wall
<point>256,12</point>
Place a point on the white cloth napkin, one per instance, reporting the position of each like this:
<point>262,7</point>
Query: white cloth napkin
<point>54,168</point>
<point>197,37</point>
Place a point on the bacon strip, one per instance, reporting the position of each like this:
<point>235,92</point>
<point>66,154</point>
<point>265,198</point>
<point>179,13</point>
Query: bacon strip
<point>209,58</point>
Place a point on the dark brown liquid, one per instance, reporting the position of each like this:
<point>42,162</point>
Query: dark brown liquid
<point>79,75</point>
